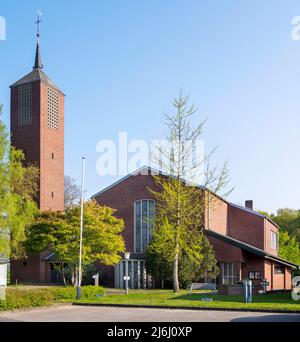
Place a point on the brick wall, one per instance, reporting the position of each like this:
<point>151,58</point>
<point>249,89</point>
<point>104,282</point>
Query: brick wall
<point>268,273</point>
<point>27,138</point>
<point>245,226</point>
<point>288,278</point>
<point>216,215</point>
<point>122,197</point>
<point>225,252</point>
<point>52,157</point>
<point>253,263</point>
<point>278,281</point>
<point>269,227</point>
<point>38,141</point>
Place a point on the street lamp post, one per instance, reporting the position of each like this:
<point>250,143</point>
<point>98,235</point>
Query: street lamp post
<point>127,257</point>
<point>81,232</point>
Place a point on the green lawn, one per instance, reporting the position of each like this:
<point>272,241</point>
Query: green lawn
<point>34,296</point>
<point>184,299</point>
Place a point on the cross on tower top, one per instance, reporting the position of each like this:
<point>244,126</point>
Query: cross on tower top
<point>38,21</point>
<point>38,63</point>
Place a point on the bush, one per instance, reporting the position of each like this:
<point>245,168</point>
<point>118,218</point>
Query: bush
<point>69,293</point>
<point>17,298</point>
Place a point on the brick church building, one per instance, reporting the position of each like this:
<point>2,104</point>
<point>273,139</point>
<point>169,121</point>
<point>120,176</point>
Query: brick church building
<point>245,242</point>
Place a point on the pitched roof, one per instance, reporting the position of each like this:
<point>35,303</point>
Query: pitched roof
<point>151,170</point>
<point>144,170</point>
<point>250,248</point>
<point>38,61</point>
<point>253,212</point>
<point>36,75</point>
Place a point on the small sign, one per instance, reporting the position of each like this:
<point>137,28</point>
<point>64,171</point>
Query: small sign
<point>207,299</point>
<point>265,283</point>
<point>126,278</point>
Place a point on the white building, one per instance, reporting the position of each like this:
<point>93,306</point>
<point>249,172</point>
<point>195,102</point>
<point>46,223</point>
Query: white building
<point>3,278</point>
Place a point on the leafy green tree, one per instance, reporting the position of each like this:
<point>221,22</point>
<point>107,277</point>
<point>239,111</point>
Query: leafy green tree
<point>59,233</point>
<point>189,271</point>
<point>178,222</point>
<point>289,247</point>
<point>180,208</point>
<point>288,220</point>
<point>18,189</point>
<point>207,269</point>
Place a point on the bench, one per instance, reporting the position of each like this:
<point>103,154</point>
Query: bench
<point>202,286</point>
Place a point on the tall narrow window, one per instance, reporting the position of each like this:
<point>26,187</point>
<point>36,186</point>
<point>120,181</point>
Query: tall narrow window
<point>144,216</point>
<point>274,241</point>
<point>24,105</point>
<point>52,108</point>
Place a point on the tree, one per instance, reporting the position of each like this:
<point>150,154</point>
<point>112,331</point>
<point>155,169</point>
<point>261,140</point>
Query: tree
<point>72,192</point>
<point>288,221</point>
<point>289,248</point>
<point>180,208</point>
<point>188,272</point>
<point>18,190</point>
<point>59,233</point>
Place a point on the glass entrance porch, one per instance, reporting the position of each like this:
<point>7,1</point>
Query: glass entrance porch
<point>136,272</point>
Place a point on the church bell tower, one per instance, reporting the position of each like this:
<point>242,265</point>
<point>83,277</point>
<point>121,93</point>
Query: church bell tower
<point>37,128</point>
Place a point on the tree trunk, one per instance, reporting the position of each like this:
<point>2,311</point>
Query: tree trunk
<point>175,275</point>
<point>74,278</point>
<point>63,274</point>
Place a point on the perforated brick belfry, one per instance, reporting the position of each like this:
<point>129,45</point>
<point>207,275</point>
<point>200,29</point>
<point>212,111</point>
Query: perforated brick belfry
<point>25,105</point>
<point>52,108</point>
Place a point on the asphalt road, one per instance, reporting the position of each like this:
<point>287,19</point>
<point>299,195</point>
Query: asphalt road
<point>68,313</point>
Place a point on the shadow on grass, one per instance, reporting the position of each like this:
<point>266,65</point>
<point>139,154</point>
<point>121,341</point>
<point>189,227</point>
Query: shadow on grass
<point>262,299</point>
<point>208,295</point>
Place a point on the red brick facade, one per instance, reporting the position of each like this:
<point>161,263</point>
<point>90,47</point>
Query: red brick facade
<point>134,188</point>
<point>42,145</point>
<point>216,215</point>
<point>245,230</point>
<point>243,225</point>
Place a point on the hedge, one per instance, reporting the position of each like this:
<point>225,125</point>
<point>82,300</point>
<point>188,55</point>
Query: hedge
<point>69,293</point>
<point>18,298</point>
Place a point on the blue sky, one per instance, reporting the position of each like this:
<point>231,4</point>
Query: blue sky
<point>122,62</point>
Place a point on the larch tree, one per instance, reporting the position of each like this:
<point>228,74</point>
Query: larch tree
<point>180,202</point>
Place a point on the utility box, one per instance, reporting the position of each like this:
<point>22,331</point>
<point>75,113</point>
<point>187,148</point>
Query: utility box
<point>96,279</point>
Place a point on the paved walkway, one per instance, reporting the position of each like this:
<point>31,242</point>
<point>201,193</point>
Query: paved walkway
<point>68,313</point>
